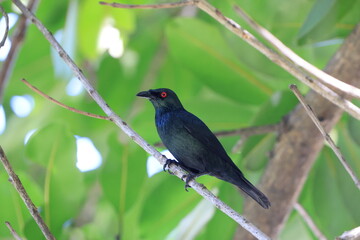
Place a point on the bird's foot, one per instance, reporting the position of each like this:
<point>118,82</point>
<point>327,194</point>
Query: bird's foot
<point>188,178</point>
<point>168,163</point>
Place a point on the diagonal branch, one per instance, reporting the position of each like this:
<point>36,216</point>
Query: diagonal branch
<point>280,60</point>
<point>283,49</point>
<point>13,232</point>
<point>35,89</point>
<point>25,197</point>
<point>327,137</point>
<point>150,6</point>
<point>201,189</point>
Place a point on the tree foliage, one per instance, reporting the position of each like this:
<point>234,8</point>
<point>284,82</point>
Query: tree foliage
<point>218,77</point>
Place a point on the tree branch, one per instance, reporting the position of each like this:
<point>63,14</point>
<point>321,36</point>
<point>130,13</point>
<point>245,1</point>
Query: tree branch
<point>299,144</point>
<point>327,137</point>
<point>35,89</point>
<point>278,59</point>
<point>16,43</point>
<point>14,179</point>
<point>12,230</point>
<point>283,49</point>
<point>250,131</point>
<point>150,6</point>
<point>201,189</point>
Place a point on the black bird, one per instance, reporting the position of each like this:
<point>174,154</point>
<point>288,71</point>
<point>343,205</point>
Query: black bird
<point>194,146</point>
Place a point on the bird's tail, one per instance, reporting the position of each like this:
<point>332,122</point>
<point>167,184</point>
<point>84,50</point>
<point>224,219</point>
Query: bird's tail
<point>237,178</point>
<point>253,192</point>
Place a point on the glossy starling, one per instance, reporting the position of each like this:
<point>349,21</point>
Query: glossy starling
<point>195,147</point>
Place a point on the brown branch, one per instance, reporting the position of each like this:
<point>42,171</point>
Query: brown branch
<point>12,231</point>
<point>14,179</point>
<point>16,43</point>
<point>302,212</point>
<point>35,89</point>
<point>327,137</point>
<point>6,26</point>
<point>150,6</point>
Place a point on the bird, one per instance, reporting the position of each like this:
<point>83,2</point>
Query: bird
<point>194,146</point>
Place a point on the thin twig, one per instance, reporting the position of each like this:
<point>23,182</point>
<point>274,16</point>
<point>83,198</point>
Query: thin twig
<point>12,230</point>
<point>24,196</point>
<point>318,234</point>
<point>256,130</point>
<point>6,26</point>
<point>353,234</point>
<point>149,6</point>
<point>16,43</point>
<point>203,191</point>
<point>250,131</point>
<point>35,89</point>
<point>283,49</point>
<point>280,60</point>
<point>327,137</point>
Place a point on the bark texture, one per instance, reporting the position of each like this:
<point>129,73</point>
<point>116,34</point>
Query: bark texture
<point>299,145</point>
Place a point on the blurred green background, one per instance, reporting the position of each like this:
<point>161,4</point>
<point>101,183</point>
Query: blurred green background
<point>217,76</point>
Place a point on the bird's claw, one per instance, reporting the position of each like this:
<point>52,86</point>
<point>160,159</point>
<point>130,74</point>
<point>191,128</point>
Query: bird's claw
<point>188,178</point>
<point>168,163</point>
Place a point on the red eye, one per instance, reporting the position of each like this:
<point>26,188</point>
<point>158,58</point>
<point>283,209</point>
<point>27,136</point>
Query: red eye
<point>163,94</point>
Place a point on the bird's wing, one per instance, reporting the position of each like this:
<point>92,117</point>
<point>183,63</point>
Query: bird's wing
<point>198,130</point>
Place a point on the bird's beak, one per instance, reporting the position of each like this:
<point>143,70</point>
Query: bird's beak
<point>144,94</point>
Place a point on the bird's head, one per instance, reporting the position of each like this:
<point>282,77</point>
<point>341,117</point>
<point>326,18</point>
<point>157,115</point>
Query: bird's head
<point>162,98</point>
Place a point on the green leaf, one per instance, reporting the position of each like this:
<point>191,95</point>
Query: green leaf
<point>191,39</point>
<point>321,21</point>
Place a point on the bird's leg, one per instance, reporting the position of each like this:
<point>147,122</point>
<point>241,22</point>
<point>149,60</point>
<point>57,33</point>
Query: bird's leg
<point>188,178</point>
<point>167,164</point>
